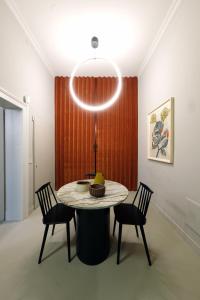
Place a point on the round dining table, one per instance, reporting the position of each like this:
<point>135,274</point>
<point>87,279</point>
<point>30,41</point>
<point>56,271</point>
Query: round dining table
<point>93,218</point>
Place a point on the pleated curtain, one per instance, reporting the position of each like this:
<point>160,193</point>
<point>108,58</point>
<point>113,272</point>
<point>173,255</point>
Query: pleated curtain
<point>117,131</point>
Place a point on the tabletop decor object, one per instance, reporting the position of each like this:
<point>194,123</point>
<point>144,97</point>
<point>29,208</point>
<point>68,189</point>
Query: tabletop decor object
<point>161,132</point>
<point>97,190</point>
<point>99,178</point>
<point>82,186</point>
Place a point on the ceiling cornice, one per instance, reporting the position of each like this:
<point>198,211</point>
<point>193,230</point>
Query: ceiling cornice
<point>167,20</point>
<point>20,19</point>
<point>8,96</point>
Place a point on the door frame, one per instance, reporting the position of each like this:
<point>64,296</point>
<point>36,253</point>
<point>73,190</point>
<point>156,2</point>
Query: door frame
<point>23,196</point>
<point>2,165</point>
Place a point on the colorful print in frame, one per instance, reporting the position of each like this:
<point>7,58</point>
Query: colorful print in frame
<point>161,132</point>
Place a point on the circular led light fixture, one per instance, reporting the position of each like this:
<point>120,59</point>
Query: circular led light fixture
<point>109,102</point>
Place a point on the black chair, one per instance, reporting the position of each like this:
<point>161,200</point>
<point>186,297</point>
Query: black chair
<point>129,214</point>
<point>54,214</point>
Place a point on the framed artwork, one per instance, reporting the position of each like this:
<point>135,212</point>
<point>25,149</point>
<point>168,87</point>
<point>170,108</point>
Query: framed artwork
<point>161,132</point>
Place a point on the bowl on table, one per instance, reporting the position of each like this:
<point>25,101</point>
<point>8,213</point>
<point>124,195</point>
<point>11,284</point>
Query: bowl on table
<point>97,190</point>
<point>82,186</point>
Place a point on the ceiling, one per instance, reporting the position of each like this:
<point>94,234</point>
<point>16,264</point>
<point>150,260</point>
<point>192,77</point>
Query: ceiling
<point>64,28</point>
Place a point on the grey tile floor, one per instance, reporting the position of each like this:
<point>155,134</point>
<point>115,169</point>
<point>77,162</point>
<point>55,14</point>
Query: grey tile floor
<point>174,274</point>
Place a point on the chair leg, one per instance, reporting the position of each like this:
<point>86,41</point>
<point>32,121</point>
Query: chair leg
<point>43,243</point>
<point>74,222</point>
<point>68,241</point>
<point>145,244</point>
<point>54,225</point>
<point>119,243</point>
<point>136,229</point>
<point>114,226</point>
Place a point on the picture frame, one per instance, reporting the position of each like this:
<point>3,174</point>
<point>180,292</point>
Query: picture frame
<point>161,132</point>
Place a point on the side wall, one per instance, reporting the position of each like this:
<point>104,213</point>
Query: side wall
<point>174,71</point>
<point>23,73</point>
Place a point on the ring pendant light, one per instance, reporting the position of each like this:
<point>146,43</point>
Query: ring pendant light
<point>110,101</point>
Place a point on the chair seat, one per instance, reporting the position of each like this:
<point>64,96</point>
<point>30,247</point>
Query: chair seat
<point>126,213</point>
<point>59,214</point>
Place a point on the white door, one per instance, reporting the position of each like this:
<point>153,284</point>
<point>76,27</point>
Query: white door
<point>2,173</point>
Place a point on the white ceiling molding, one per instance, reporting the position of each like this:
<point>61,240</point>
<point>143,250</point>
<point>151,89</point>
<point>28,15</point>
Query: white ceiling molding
<point>15,11</point>
<point>167,20</point>
<point>10,97</point>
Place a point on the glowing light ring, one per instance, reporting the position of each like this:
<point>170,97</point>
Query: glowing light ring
<point>108,103</point>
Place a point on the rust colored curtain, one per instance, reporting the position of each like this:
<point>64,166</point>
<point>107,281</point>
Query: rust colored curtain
<point>117,132</point>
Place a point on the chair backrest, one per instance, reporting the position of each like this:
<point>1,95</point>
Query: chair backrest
<point>44,196</point>
<point>144,193</point>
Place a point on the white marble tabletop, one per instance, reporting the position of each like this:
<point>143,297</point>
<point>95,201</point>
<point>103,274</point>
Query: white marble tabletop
<point>115,193</point>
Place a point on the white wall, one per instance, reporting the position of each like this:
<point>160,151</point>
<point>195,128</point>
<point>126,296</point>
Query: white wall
<point>23,73</point>
<point>174,71</point>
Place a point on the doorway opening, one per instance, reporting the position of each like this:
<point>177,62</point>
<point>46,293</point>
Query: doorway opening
<point>14,179</point>
<point>2,166</point>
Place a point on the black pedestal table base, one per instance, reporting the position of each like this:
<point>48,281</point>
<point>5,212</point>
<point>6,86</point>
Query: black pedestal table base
<point>93,235</point>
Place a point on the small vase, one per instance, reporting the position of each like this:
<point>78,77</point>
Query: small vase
<point>99,179</point>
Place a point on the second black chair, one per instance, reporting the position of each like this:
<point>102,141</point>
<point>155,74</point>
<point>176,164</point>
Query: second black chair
<point>54,214</point>
<point>129,214</point>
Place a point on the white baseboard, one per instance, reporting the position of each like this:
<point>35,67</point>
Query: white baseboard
<point>180,230</point>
